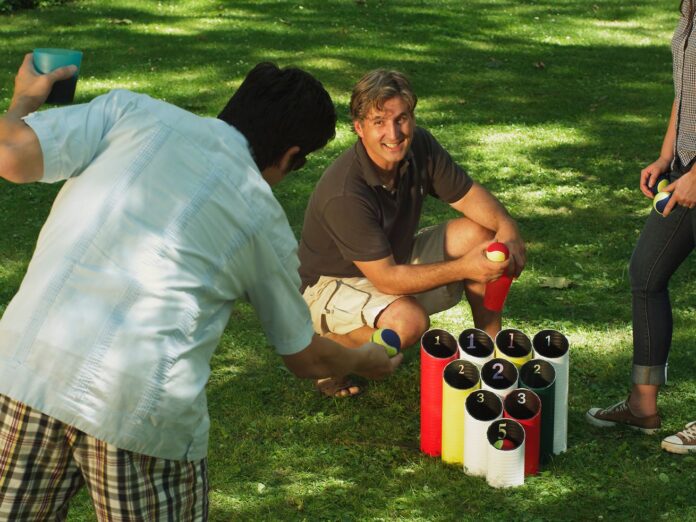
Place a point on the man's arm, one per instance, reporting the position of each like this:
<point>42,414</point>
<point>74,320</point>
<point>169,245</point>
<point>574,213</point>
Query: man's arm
<point>323,357</point>
<point>479,205</point>
<point>21,160</point>
<point>391,278</point>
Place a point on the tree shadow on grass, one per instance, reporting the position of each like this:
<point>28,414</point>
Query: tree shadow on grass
<point>479,69</point>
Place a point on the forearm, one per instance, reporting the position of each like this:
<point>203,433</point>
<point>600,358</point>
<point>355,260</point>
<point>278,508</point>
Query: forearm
<point>413,279</point>
<point>667,150</point>
<point>324,357</point>
<point>21,160</point>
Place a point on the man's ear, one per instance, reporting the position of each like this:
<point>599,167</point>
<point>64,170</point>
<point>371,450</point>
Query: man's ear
<point>285,164</point>
<point>358,128</point>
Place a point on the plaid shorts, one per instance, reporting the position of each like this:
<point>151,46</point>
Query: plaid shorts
<point>44,462</point>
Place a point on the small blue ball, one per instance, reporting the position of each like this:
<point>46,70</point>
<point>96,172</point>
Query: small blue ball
<point>389,339</point>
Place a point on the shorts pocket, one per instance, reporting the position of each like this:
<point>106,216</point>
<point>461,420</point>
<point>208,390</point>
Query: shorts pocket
<point>343,310</point>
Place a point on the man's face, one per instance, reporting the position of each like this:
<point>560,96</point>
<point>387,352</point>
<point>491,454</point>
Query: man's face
<point>387,133</point>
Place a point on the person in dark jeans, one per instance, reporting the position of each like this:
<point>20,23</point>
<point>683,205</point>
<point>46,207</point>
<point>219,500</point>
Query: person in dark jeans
<point>665,242</point>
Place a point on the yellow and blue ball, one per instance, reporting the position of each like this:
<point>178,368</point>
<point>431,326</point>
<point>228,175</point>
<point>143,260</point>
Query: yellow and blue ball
<point>660,183</point>
<point>660,201</point>
<point>389,339</point>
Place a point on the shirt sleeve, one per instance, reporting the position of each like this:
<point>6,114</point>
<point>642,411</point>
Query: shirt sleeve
<point>450,182</point>
<point>272,288</point>
<point>70,137</point>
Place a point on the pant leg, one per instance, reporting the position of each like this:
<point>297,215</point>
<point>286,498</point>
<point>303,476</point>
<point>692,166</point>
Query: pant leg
<point>127,486</point>
<point>663,245</point>
<point>37,474</point>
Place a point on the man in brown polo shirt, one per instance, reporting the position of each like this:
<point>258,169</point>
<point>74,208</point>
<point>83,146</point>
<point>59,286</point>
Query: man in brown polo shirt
<point>363,263</point>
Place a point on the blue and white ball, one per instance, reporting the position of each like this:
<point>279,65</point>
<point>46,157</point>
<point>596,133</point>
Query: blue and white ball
<point>660,201</point>
<point>389,339</point>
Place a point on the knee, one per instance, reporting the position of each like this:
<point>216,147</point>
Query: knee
<point>407,318</point>
<point>643,278</point>
<point>462,234</point>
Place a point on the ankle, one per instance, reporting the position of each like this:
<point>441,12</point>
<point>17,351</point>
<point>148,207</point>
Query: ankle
<point>640,409</point>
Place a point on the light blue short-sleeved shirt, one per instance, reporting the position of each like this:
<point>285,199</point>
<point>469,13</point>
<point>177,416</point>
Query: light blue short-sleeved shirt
<point>163,222</point>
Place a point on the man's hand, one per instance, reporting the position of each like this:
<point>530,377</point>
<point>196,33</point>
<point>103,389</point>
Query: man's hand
<point>683,192</point>
<point>31,88</point>
<point>476,266</point>
<point>375,363</point>
<point>649,174</point>
<point>518,255</point>
<point>510,235</point>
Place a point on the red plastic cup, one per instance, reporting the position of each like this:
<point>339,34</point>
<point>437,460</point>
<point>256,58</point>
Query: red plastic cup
<point>496,293</point>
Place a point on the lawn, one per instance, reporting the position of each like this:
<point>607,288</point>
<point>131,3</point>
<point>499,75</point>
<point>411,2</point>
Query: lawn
<point>554,105</point>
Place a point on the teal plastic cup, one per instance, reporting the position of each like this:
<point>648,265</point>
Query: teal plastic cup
<point>47,59</point>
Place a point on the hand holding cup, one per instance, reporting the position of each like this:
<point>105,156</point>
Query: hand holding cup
<point>48,60</point>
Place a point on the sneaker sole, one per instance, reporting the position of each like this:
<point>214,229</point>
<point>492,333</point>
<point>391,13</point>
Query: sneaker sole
<point>611,424</point>
<point>677,448</point>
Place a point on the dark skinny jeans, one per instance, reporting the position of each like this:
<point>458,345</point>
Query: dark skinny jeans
<point>662,246</point>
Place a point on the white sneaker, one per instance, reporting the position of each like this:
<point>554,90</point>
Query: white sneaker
<point>682,442</point>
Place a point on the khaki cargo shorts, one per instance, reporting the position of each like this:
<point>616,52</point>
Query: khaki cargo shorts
<point>341,305</point>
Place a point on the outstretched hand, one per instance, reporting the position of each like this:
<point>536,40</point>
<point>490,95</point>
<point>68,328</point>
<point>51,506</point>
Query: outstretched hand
<point>32,88</point>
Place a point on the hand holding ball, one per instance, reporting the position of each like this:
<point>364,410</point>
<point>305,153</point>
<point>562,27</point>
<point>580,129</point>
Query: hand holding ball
<point>389,339</point>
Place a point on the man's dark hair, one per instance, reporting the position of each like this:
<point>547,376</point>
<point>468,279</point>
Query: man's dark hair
<point>276,109</point>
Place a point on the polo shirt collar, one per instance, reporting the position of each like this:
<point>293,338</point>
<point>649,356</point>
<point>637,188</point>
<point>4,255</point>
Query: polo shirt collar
<point>369,170</point>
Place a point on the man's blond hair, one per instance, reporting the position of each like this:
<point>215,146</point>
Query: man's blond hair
<point>376,88</point>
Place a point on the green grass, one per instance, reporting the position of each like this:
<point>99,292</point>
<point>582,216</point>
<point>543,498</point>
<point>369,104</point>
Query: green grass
<point>555,105</point>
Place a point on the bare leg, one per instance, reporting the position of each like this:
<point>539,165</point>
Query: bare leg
<point>461,236</point>
<point>407,318</point>
<point>643,399</point>
<point>354,338</point>
<point>484,319</point>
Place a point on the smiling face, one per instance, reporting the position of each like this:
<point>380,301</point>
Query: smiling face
<point>387,133</point>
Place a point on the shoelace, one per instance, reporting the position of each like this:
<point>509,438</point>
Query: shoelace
<point>689,433</point>
<point>618,407</point>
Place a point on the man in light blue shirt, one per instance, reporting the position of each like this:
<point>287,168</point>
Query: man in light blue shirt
<point>166,218</point>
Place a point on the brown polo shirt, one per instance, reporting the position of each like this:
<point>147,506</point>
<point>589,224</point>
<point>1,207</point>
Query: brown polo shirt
<point>352,217</point>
